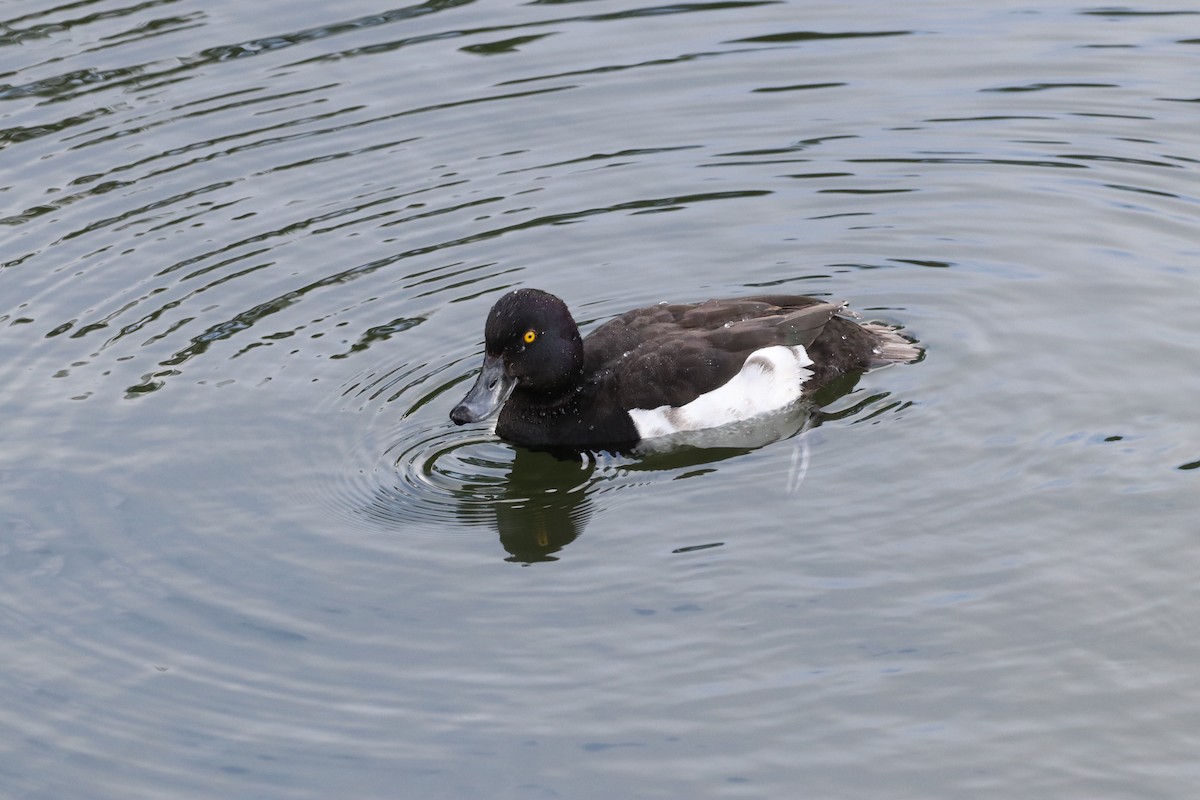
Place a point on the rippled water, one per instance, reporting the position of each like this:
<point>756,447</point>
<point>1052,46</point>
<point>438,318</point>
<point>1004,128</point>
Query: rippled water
<point>248,253</point>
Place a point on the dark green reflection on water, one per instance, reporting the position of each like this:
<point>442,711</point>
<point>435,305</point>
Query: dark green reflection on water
<point>544,504</point>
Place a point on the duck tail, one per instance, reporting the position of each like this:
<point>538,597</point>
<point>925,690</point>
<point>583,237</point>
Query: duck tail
<point>891,346</point>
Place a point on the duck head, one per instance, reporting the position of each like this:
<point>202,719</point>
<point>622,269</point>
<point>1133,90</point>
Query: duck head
<point>531,346</point>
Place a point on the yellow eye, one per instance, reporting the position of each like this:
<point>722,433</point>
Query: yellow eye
<point>529,336</point>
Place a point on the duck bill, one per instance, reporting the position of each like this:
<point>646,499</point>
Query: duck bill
<point>491,389</point>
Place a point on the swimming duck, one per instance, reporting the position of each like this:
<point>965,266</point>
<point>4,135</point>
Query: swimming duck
<point>663,369</point>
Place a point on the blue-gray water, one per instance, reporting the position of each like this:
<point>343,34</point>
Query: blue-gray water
<point>248,249</point>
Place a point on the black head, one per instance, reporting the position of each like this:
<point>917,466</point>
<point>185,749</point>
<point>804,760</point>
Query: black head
<point>534,334</point>
<point>532,346</point>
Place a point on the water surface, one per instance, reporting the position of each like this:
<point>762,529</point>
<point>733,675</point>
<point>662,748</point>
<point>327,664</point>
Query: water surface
<point>248,254</point>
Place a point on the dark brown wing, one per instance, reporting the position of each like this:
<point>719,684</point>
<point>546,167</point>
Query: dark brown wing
<point>669,355</point>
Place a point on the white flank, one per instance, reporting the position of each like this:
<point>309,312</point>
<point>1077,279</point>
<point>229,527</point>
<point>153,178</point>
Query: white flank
<point>770,380</point>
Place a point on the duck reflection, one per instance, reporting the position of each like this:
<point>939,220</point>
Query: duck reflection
<point>547,500</point>
<point>545,503</point>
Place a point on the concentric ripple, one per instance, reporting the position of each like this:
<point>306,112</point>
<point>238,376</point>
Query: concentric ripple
<point>408,470</point>
<point>428,478</point>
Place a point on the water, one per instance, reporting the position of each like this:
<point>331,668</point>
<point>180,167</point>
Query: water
<point>248,253</point>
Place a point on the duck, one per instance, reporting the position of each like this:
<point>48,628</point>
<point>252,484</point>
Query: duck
<point>663,369</point>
